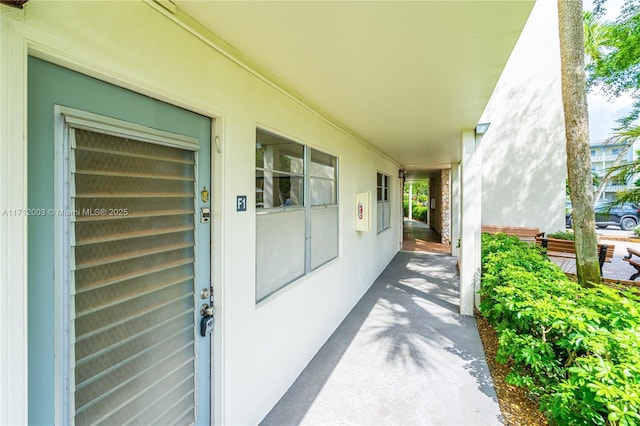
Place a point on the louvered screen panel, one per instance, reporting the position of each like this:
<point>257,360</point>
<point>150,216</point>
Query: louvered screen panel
<point>133,341</point>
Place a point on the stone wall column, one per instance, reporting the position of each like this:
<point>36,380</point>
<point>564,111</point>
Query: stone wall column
<point>455,207</point>
<point>445,206</point>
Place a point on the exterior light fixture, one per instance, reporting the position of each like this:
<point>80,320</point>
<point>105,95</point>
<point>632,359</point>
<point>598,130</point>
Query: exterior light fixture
<point>14,3</point>
<point>482,128</point>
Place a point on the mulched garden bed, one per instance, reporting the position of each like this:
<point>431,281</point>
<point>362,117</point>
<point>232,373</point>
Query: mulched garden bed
<point>515,404</point>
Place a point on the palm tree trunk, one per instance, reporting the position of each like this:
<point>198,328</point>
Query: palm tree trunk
<point>574,99</point>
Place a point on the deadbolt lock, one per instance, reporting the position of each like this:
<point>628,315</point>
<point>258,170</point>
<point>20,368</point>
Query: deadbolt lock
<point>205,293</point>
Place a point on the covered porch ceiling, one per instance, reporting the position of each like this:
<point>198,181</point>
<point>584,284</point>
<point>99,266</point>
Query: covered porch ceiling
<point>403,76</point>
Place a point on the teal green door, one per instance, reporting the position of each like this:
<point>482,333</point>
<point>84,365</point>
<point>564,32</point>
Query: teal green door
<point>119,254</point>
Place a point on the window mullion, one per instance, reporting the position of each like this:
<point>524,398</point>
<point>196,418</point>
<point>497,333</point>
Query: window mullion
<point>307,208</point>
<point>385,199</point>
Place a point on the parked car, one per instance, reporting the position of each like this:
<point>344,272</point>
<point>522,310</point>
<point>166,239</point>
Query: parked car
<point>567,213</point>
<point>626,215</point>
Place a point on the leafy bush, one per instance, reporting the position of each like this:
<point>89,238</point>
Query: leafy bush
<point>418,212</point>
<point>562,235</point>
<point>576,349</point>
<point>636,231</point>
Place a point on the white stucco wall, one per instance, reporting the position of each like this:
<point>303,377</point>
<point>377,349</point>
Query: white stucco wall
<point>523,152</point>
<point>258,350</point>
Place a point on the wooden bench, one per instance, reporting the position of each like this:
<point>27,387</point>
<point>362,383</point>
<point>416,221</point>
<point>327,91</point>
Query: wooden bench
<point>634,263</point>
<point>566,248</point>
<point>525,234</point>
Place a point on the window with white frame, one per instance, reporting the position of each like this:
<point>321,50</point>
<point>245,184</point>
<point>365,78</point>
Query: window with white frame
<point>383,197</point>
<point>296,211</point>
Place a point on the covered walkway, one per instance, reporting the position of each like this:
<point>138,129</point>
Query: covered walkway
<point>403,356</point>
<point>417,236</point>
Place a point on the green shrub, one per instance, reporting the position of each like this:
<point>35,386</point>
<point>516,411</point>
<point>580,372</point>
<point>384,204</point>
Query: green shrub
<point>576,349</point>
<point>636,231</point>
<point>418,212</point>
<point>562,235</point>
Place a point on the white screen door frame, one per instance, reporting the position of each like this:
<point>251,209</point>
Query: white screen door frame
<point>70,125</point>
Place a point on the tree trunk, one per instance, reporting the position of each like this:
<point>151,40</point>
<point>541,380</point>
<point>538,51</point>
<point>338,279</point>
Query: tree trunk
<point>574,99</point>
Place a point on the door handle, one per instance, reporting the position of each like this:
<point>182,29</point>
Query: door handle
<point>207,310</point>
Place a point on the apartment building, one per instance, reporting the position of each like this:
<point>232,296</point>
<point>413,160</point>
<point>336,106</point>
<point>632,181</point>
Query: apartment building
<point>604,156</point>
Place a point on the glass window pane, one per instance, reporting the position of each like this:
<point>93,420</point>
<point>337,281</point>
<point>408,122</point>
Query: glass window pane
<point>323,191</point>
<point>322,165</point>
<point>379,181</point>
<point>277,190</point>
<point>324,235</point>
<point>379,194</point>
<point>280,255</point>
<point>384,216</point>
<point>386,208</point>
<point>277,153</point>
<point>285,247</point>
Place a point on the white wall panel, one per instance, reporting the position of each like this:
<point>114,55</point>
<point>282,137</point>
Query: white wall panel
<point>523,152</point>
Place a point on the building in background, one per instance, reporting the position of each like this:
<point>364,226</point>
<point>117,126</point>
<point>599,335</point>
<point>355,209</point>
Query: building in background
<point>603,157</point>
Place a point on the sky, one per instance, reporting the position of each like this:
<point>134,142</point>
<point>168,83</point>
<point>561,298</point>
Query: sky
<point>603,113</point>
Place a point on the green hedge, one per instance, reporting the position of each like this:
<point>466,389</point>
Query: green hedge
<point>562,235</point>
<point>576,349</point>
<point>418,212</point>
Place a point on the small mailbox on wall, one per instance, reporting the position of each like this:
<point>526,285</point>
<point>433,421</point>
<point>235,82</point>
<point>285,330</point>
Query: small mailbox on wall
<point>363,211</point>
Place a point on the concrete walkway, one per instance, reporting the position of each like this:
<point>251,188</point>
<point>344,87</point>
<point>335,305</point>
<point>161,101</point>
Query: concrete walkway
<point>403,356</point>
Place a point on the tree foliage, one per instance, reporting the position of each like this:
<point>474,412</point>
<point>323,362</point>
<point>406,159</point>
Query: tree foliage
<point>418,188</point>
<point>613,49</point>
<point>419,203</point>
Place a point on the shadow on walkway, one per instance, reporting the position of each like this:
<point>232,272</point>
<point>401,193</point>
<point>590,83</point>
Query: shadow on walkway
<point>403,356</point>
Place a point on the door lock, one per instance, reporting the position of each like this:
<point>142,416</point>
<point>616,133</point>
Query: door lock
<point>206,310</point>
<point>207,321</point>
<point>205,293</point>
<point>206,325</point>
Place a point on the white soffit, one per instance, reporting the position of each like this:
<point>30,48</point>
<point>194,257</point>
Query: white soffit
<point>406,76</point>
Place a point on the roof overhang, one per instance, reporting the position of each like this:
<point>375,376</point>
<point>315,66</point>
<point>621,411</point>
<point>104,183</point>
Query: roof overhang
<point>404,76</point>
